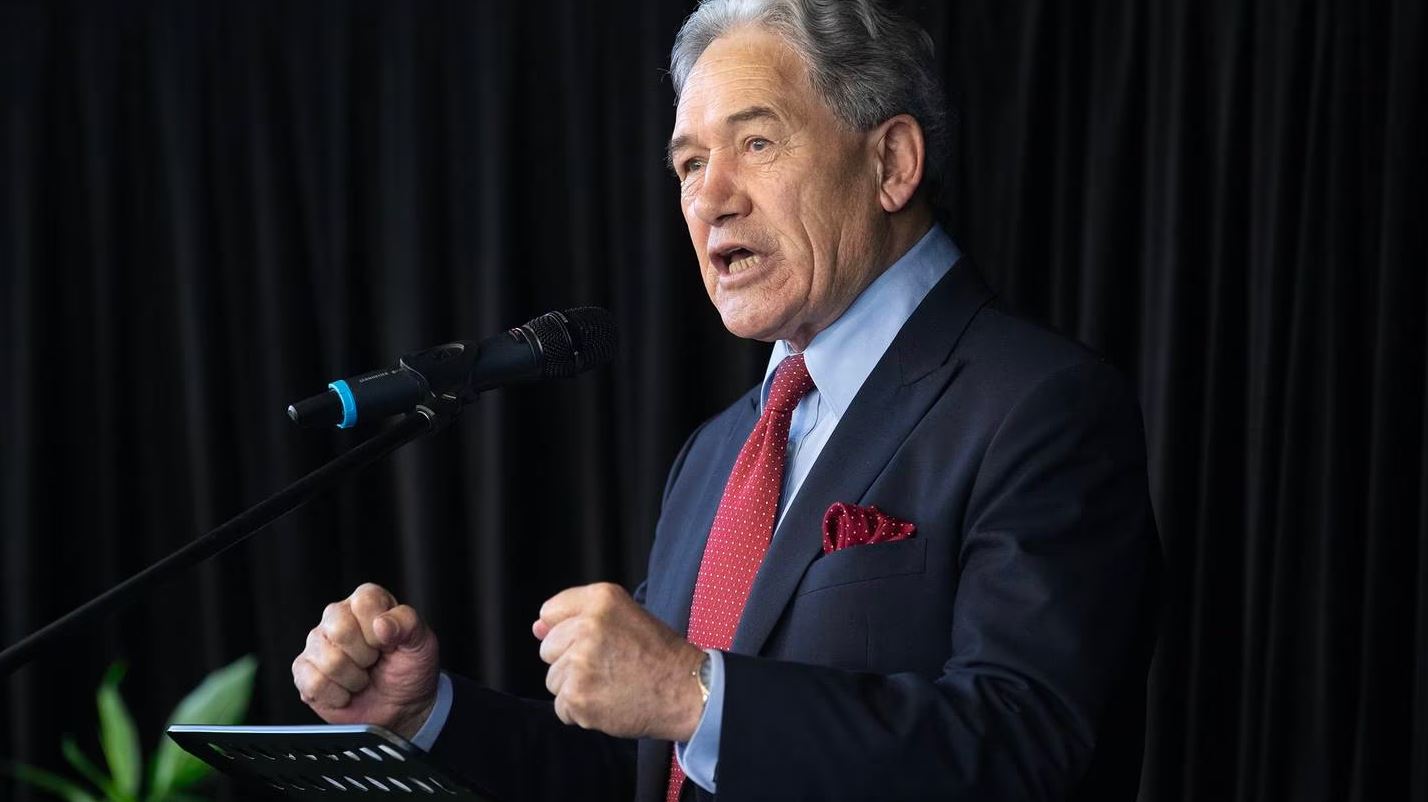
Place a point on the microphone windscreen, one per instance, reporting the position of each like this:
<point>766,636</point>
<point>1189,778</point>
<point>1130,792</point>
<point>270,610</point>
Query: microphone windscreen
<point>575,340</point>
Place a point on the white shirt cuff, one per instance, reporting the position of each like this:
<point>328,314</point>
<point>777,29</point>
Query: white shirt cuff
<point>426,736</point>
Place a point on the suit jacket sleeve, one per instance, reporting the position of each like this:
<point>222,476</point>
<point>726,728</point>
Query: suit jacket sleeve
<point>517,749</point>
<point>1057,557</point>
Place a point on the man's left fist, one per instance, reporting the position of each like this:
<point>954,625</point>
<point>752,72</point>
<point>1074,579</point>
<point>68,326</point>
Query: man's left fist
<point>616,668</point>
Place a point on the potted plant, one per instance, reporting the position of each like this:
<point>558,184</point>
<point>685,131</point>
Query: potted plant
<point>171,773</point>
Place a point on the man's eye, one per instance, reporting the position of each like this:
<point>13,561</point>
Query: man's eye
<point>693,165</point>
<point>758,144</point>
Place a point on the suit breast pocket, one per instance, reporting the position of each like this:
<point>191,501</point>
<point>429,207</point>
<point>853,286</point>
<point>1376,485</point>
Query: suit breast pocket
<point>865,563</point>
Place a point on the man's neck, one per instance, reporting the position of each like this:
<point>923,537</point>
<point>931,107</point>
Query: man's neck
<point>905,229</point>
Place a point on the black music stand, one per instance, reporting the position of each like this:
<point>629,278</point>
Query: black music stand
<point>326,762</point>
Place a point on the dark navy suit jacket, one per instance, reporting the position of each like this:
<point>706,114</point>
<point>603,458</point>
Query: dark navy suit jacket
<point>999,654</point>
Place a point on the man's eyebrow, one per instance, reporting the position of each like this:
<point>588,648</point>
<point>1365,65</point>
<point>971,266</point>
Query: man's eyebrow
<point>751,113</point>
<point>742,116</point>
<point>674,146</point>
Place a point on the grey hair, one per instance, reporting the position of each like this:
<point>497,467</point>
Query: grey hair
<point>867,63</point>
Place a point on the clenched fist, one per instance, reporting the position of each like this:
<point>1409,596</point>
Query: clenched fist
<point>370,661</point>
<point>616,668</point>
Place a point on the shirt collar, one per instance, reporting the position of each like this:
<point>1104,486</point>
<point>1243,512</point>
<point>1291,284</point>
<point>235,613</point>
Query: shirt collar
<point>841,356</point>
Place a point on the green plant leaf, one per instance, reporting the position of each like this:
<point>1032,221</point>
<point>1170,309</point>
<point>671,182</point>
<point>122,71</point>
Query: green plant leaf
<point>82,764</point>
<point>55,784</point>
<point>220,700</point>
<point>117,734</point>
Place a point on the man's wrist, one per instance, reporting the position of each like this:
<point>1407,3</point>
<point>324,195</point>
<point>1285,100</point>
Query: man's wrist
<point>689,698</point>
<point>425,737</point>
<point>699,756</point>
<point>408,726</point>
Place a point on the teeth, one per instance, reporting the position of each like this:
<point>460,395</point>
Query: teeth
<point>744,261</point>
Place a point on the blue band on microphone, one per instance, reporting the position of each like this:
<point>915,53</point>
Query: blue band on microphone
<point>349,404</point>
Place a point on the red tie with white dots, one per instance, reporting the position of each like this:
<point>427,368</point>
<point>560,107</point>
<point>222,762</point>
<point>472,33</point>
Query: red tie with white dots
<point>744,524</point>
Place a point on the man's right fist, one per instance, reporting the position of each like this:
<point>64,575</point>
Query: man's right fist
<point>370,661</point>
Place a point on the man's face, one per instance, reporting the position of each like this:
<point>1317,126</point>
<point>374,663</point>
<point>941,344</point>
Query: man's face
<point>780,198</point>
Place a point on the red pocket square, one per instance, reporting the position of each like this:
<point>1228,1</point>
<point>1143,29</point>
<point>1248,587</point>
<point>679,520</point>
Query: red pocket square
<point>847,525</point>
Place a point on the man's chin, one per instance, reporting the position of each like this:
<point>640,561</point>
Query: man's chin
<point>750,326</point>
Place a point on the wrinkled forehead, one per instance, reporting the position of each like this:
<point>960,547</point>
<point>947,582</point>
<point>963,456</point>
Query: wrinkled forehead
<point>745,68</point>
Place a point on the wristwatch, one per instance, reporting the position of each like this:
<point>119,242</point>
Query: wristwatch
<point>704,675</point>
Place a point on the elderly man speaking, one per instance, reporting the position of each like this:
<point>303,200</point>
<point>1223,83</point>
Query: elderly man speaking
<point>917,561</point>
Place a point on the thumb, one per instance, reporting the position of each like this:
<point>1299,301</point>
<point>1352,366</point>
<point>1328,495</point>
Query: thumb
<point>401,628</point>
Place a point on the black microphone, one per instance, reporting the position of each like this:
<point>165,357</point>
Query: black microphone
<point>552,346</point>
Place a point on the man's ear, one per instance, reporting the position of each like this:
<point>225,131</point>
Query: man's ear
<point>900,151</point>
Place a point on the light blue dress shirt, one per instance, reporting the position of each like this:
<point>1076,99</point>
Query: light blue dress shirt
<point>839,359</point>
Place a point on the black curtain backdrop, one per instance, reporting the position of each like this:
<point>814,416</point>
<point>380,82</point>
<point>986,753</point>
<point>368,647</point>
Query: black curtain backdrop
<point>209,210</point>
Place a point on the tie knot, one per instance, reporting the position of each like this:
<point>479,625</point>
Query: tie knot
<point>791,383</point>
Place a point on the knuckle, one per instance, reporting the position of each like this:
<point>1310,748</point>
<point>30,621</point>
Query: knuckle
<point>576,657</point>
<point>574,630</point>
<point>312,682</point>
<point>576,692</point>
<point>372,593</point>
<point>608,597</point>
<point>598,631</point>
<point>306,690</point>
<point>329,662</point>
<point>580,712</point>
<point>337,631</point>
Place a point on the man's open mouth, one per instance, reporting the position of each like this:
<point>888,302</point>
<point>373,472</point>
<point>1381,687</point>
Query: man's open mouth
<point>735,260</point>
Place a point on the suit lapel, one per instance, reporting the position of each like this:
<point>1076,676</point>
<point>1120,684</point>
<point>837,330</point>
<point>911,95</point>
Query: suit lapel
<point>909,378</point>
<point>676,592</point>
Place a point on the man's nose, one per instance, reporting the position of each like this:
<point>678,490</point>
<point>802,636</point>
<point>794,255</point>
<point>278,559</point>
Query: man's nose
<point>721,194</point>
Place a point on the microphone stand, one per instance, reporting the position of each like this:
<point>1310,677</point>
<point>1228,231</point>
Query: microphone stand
<point>435,414</point>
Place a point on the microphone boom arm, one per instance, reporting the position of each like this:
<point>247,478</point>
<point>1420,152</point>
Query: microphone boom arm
<point>425,420</point>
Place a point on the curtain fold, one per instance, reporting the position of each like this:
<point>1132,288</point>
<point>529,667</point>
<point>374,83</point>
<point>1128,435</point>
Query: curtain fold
<point>209,210</point>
